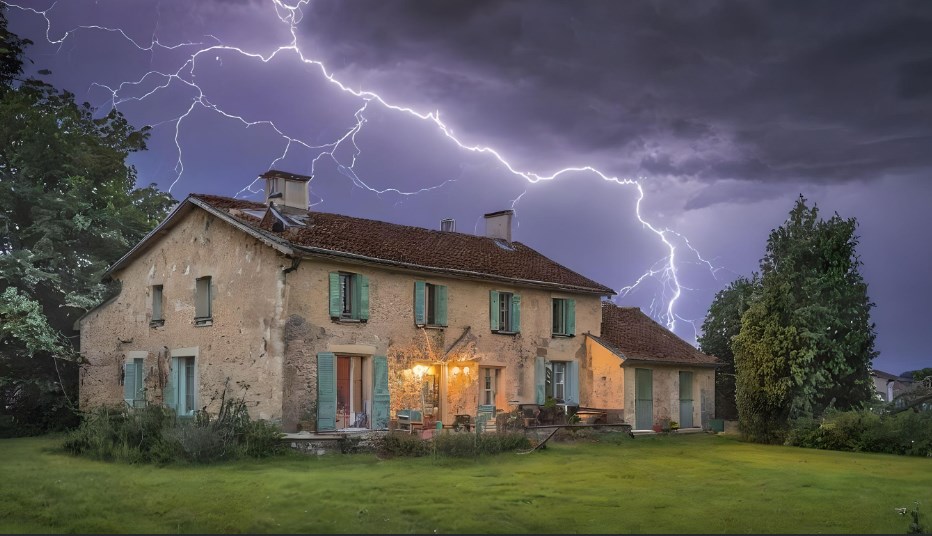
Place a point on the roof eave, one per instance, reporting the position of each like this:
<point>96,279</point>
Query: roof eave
<point>322,252</point>
<point>677,363</point>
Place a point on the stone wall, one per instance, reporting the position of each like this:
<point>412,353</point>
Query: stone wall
<point>243,345</point>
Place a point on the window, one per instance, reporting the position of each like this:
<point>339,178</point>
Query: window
<point>489,385</point>
<point>430,304</point>
<point>505,312</point>
<point>181,392</point>
<point>564,317</point>
<point>349,296</point>
<point>202,303</point>
<point>134,392</point>
<point>157,319</point>
<point>556,380</point>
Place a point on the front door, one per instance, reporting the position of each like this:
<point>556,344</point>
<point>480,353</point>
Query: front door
<point>686,399</point>
<point>643,399</point>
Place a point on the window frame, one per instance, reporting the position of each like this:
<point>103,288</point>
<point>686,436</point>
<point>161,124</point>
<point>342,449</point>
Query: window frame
<point>551,383</point>
<point>430,304</point>
<point>186,385</point>
<point>158,298</point>
<point>203,320</point>
<point>504,312</point>
<point>567,320</point>
<point>347,294</point>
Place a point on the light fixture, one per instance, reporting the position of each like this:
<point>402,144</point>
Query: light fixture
<point>456,370</point>
<point>466,371</point>
<point>419,370</point>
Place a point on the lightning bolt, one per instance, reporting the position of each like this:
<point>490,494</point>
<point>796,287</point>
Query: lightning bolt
<point>664,270</point>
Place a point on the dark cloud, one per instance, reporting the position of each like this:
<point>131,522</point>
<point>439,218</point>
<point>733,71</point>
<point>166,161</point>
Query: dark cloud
<point>713,90</point>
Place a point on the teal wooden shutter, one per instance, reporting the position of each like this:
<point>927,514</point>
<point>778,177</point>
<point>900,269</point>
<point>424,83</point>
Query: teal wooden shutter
<point>326,392</point>
<point>140,394</point>
<point>493,310</point>
<point>170,393</point>
<point>643,399</point>
<point>380,394</point>
<point>686,399</point>
<point>419,291</point>
<point>516,313</point>
<point>362,294</point>
<point>129,382</point>
<point>441,306</point>
<point>335,306</point>
<point>540,379</point>
<point>572,382</point>
<point>571,317</point>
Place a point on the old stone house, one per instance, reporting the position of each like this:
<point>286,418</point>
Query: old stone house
<point>323,321</point>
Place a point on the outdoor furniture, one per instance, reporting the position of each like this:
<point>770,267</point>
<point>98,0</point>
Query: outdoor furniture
<point>462,422</point>
<point>485,414</point>
<point>409,420</point>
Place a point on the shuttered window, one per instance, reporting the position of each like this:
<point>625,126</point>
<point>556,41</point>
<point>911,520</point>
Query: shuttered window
<point>180,393</point>
<point>349,296</point>
<point>202,302</point>
<point>430,304</point>
<point>133,384</point>
<point>157,305</point>
<point>504,312</point>
<point>564,317</point>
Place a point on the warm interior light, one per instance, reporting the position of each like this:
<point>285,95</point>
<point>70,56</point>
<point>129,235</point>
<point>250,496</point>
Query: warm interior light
<point>419,370</point>
<point>466,370</point>
<point>456,370</point>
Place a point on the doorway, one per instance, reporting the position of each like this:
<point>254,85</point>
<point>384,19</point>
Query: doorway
<point>643,399</point>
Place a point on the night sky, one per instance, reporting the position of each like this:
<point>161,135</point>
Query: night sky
<point>724,112</point>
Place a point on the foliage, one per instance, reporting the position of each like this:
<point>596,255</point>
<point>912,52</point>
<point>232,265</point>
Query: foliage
<point>922,374</point>
<point>68,208</point>
<point>907,433</point>
<point>155,435</point>
<point>402,444</point>
<point>721,324</point>
<point>806,340</point>
<point>451,444</point>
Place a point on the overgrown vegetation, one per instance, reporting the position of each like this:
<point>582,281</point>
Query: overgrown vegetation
<point>155,435</point>
<point>451,444</point>
<point>908,433</point>
<point>69,206</point>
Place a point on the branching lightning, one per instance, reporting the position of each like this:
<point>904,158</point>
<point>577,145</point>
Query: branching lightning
<point>663,270</point>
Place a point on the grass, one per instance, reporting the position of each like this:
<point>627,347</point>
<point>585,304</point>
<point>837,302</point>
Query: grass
<point>689,484</point>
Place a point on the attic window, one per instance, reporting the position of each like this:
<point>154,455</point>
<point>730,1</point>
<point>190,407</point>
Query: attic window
<point>202,302</point>
<point>503,244</point>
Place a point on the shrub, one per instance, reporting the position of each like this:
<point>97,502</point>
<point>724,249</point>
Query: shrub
<point>154,435</point>
<point>908,433</point>
<point>402,444</point>
<point>472,445</point>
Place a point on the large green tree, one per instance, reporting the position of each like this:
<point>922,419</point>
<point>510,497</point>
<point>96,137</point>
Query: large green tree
<point>68,208</point>
<point>722,323</point>
<point>806,341</point>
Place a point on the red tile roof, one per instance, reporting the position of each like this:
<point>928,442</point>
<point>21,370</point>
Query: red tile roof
<point>638,337</point>
<point>415,246</point>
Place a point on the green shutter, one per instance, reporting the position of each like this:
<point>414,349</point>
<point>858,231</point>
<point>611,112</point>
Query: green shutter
<point>326,392</point>
<point>362,295</point>
<point>540,379</point>
<point>572,382</point>
<point>380,394</point>
<point>571,317</point>
<point>129,382</point>
<point>419,291</point>
<point>643,399</point>
<point>140,381</point>
<point>335,305</point>
<point>441,305</point>
<point>516,313</point>
<point>493,310</point>
<point>170,393</point>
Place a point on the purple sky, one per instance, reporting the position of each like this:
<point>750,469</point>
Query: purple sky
<point>724,112</point>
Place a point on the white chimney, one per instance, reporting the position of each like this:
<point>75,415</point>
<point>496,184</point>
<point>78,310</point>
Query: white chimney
<point>286,189</point>
<point>448,224</point>
<point>498,224</point>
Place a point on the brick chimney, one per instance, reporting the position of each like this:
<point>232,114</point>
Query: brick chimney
<point>498,224</point>
<point>286,189</point>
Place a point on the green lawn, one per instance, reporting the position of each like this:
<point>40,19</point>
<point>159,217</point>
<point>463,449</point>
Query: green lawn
<point>688,483</point>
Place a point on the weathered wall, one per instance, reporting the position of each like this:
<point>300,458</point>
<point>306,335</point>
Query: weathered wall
<point>391,331</point>
<point>244,343</point>
<point>607,379</point>
<point>666,392</point>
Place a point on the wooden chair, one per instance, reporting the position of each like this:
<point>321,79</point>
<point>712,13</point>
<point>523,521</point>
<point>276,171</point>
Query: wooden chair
<point>409,420</point>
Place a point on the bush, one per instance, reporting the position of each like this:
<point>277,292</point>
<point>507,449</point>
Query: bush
<point>907,433</point>
<point>456,445</point>
<point>154,435</point>
<point>402,444</point>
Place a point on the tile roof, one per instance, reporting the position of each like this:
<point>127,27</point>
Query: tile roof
<point>416,247</point>
<point>639,338</point>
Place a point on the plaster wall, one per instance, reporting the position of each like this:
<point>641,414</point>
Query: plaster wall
<point>243,345</point>
<point>390,331</point>
<point>666,392</point>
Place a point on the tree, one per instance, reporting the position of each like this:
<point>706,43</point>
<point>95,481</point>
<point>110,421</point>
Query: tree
<point>721,324</point>
<point>806,341</point>
<point>68,208</point>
